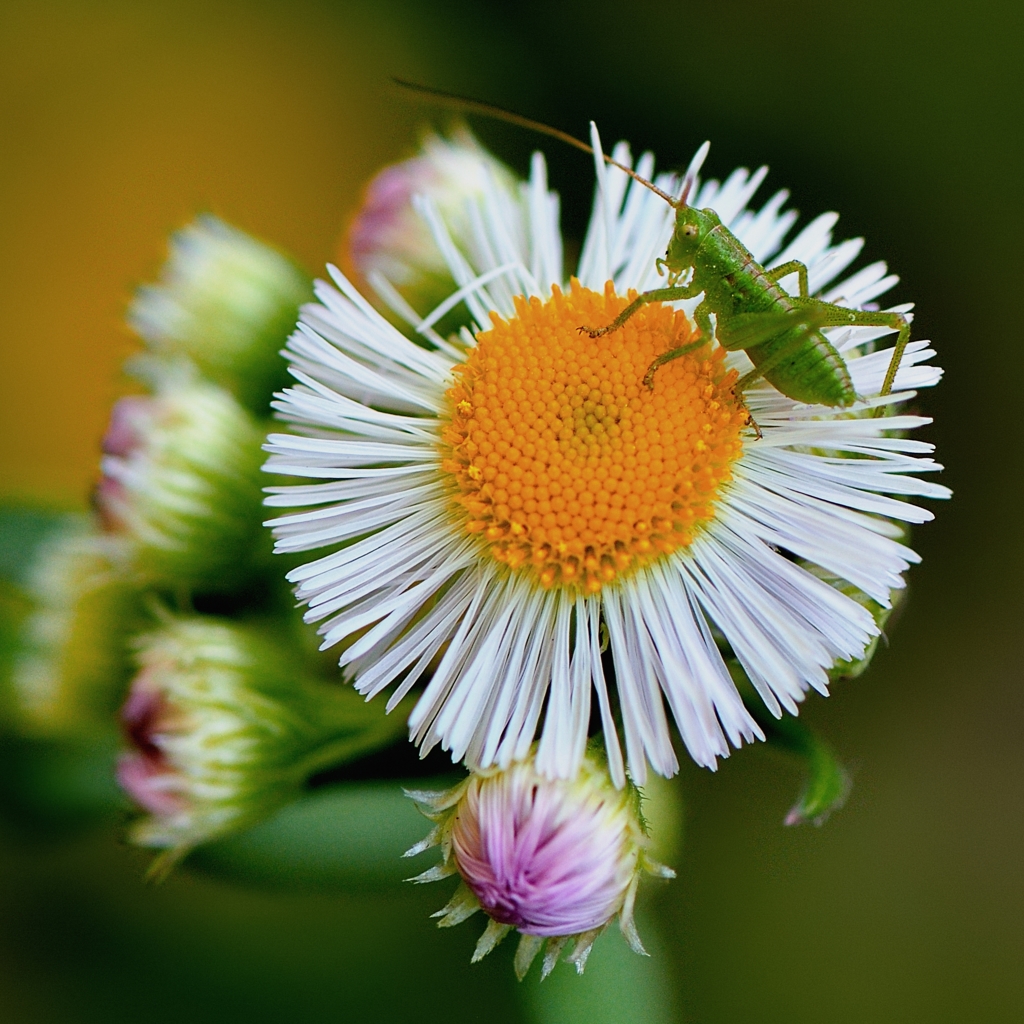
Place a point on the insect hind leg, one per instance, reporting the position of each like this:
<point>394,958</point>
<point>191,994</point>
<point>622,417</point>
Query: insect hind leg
<point>840,316</point>
<point>791,267</point>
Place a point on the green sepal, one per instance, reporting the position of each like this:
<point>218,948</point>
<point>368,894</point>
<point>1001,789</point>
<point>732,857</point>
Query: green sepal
<point>828,782</point>
<point>852,668</point>
<point>618,987</point>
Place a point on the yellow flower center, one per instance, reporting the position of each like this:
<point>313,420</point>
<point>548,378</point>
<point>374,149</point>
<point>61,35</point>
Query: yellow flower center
<point>564,463</point>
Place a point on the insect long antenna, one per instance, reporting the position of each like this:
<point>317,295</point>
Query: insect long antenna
<point>690,178</point>
<point>451,99</point>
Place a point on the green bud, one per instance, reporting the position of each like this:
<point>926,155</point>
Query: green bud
<point>72,666</point>
<point>182,484</point>
<point>227,303</point>
<point>224,730</point>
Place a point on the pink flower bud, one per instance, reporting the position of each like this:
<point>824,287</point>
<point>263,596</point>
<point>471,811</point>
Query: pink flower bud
<point>550,857</point>
<point>130,421</point>
<point>390,238</point>
<point>145,772</point>
<point>557,859</point>
<point>222,729</point>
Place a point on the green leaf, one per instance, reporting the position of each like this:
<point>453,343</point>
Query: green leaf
<point>828,782</point>
<point>350,835</point>
<point>51,787</point>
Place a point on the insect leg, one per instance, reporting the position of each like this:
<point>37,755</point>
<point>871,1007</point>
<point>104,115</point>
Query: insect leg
<point>702,316</point>
<point>745,330</point>
<point>667,357</point>
<point>792,267</point>
<point>655,295</point>
<point>840,316</point>
<point>739,331</point>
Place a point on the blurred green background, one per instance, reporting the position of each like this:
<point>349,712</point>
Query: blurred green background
<point>120,120</point>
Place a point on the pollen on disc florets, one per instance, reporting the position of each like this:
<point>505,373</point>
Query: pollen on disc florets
<point>566,465</point>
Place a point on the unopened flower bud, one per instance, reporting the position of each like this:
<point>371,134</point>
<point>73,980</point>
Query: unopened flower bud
<point>226,302</point>
<point>181,483</point>
<point>223,730</point>
<point>72,668</point>
<point>390,238</point>
<point>556,859</point>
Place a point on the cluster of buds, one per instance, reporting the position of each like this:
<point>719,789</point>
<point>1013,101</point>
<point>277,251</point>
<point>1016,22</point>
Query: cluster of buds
<point>556,859</point>
<point>181,483</point>
<point>222,731</point>
<point>179,502</point>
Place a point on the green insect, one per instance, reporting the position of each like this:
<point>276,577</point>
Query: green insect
<point>780,333</point>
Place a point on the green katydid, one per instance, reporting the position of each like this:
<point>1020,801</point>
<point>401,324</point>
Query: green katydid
<point>780,333</point>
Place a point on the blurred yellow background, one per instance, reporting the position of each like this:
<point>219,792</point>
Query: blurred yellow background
<point>119,122</point>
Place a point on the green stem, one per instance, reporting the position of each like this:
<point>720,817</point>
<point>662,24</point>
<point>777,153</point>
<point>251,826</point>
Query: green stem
<point>351,743</point>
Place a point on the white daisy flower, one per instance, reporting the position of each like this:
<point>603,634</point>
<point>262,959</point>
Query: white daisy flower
<point>506,506</point>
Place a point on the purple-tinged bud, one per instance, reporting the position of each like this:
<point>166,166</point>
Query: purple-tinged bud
<point>390,239</point>
<point>146,773</point>
<point>222,729</point>
<point>555,859</point>
<point>181,483</point>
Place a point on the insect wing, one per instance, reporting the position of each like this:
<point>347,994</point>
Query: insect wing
<point>746,330</point>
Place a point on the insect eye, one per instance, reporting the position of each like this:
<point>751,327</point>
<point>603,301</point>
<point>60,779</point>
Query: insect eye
<point>690,230</point>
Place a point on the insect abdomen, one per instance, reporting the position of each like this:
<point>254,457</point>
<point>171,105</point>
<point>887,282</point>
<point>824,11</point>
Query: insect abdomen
<point>814,373</point>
